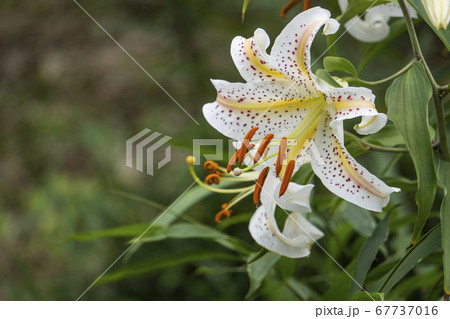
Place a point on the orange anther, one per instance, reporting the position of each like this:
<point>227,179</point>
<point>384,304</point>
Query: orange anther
<point>259,185</point>
<point>287,177</point>
<point>232,161</point>
<point>212,179</point>
<point>211,166</point>
<point>262,147</point>
<point>281,153</point>
<point>306,5</point>
<point>246,144</point>
<point>224,212</point>
<point>288,7</point>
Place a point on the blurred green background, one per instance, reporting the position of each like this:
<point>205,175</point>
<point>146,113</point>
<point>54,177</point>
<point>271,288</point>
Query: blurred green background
<point>70,98</point>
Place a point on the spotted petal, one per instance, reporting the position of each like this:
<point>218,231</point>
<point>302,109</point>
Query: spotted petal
<point>251,60</point>
<point>291,49</point>
<point>353,102</point>
<point>274,107</point>
<point>343,176</point>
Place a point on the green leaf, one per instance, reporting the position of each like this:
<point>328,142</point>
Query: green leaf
<point>186,231</point>
<point>387,136</point>
<point>406,185</point>
<point>259,269</point>
<point>362,222</point>
<point>172,260</point>
<point>186,201</point>
<point>444,178</point>
<point>122,231</point>
<point>429,243</point>
<point>407,100</point>
<point>443,34</point>
<point>366,296</point>
<point>302,290</point>
<point>244,8</point>
<point>323,75</point>
<point>341,284</point>
<point>368,253</point>
<point>333,64</point>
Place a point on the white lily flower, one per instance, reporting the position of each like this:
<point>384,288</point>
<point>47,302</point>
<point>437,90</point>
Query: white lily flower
<point>298,234</point>
<point>373,27</point>
<point>438,11</point>
<point>282,100</point>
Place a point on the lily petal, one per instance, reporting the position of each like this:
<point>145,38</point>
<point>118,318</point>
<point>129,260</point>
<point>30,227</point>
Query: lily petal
<point>296,198</point>
<point>352,102</point>
<point>343,176</point>
<point>291,49</point>
<point>239,106</point>
<point>251,60</point>
<point>296,239</point>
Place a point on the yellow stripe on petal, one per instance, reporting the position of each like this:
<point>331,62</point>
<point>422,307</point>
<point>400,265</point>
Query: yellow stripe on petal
<point>350,105</point>
<point>257,62</point>
<point>295,103</point>
<point>357,176</point>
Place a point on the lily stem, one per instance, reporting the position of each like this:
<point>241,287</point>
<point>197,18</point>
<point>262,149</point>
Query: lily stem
<point>373,147</point>
<point>369,146</point>
<point>383,81</point>
<point>438,106</point>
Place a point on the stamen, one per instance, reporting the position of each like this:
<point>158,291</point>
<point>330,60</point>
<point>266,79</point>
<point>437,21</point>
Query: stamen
<point>246,144</point>
<point>211,166</point>
<point>262,147</point>
<point>237,171</point>
<point>225,211</point>
<point>232,162</point>
<point>306,5</point>
<point>259,185</point>
<point>287,177</point>
<point>212,179</point>
<point>281,153</point>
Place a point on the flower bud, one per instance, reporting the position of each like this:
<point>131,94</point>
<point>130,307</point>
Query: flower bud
<point>438,12</point>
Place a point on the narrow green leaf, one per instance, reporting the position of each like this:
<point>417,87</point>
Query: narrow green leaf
<point>444,177</point>
<point>407,100</point>
<point>368,253</point>
<point>429,243</point>
<point>244,8</point>
<point>172,260</point>
<point>302,290</point>
<point>259,269</point>
<point>362,222</point>
<point>122,231</point>
<point>186,231</point>
<point>366,296</point>
<point>333,64</point>
<point>341,284</point>
<point>186,201</point>
<point>443,34</point>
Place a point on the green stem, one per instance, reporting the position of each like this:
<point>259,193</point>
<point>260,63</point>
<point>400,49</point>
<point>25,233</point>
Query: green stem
<point>383,81</point>
<point>438,106</point>
<point>373,147</point>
